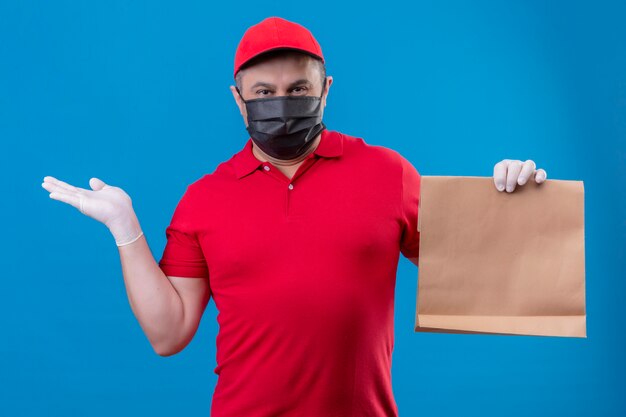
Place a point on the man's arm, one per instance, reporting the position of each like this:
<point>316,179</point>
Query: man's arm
<point>195,294</point>
<point>168,309</point>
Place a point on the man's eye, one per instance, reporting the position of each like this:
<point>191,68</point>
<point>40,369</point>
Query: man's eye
<point>263,92</point>
<point>299,89</point>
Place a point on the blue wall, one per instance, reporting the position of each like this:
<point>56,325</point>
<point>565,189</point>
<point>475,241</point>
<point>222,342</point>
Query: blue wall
<point>136,93</point>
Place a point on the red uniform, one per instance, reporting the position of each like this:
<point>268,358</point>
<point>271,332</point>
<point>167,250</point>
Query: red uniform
<point>302,272</point>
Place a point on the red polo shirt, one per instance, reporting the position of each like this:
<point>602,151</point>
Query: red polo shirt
<point>302,272</point>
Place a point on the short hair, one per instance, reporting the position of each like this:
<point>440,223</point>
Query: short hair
<point>279,52</point>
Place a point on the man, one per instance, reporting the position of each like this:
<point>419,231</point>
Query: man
<point>296,237</point>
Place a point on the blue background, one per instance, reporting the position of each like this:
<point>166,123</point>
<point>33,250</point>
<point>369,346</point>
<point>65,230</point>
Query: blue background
<point>136,93</point>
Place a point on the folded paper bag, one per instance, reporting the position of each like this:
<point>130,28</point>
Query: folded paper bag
<point>498,262</point>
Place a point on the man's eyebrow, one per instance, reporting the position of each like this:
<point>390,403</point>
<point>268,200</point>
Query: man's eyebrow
<point>272,86</point>
<point>262,84</point>
<point>299,82</point>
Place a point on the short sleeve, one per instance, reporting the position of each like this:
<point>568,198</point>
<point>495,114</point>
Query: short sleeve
<point>182,255</point>
<point>410,238</point>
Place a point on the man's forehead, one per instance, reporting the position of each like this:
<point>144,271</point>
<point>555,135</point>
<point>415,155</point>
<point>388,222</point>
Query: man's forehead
<point>277,57</point>
<point>281,68</point>
<point>279,75</point>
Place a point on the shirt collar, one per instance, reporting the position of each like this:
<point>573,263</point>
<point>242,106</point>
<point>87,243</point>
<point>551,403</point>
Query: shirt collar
<point>330,146</point>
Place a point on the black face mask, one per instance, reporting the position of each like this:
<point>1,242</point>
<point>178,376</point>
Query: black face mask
<point>284,127</point>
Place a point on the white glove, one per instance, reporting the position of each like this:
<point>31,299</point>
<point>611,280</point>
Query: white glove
<point>511,172</point>
<point>107,204</point>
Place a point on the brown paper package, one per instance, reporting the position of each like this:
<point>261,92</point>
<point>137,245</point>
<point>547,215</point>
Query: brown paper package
<point>501,263</point>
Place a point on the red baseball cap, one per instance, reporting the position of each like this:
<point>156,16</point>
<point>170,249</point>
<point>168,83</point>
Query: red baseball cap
<point>275,33</point>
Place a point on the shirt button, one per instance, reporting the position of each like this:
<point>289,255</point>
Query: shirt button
<point>291,186</point>
<point>265,167</point>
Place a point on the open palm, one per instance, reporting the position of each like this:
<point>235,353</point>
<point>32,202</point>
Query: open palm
<point>103,202</point>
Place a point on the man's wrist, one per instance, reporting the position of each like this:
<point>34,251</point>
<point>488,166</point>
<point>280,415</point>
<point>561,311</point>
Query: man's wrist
<point>126,230</point>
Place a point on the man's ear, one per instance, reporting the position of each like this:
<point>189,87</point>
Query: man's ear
<point>238,100</point>
<point>329,81</point>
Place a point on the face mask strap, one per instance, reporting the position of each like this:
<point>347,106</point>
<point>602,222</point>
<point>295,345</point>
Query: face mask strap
<point>239,92</point>
<point>323,88</point>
